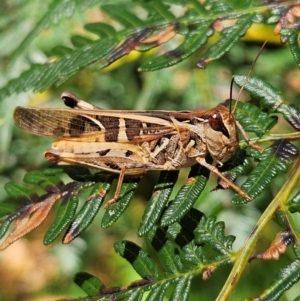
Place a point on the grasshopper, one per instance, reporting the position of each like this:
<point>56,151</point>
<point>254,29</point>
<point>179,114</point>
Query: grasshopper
<point>131,142</point>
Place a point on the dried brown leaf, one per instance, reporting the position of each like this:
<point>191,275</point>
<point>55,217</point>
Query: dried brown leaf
<point>30,219</point>
<point>277,247</point>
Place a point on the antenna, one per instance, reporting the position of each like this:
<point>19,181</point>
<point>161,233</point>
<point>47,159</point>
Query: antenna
<point>230,95</point>
<point>247,77</point>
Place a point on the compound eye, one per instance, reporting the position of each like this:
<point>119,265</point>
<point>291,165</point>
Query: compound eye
<point>216,123</point>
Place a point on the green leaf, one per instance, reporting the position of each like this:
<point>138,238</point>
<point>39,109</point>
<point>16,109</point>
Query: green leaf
<point>56,11</point>
<point>270,98</point>
<point>294,203</point>
<point>183,246</point>
<point>259,89</point>
<point>212,232</point>
<point>181,290</point>
<point>165,249</point>
<point>40,77</point>
<point>103,30</point>
<point>60,51</point>
<point>63,218</point>
<point>292,115</point>
<point>138,258</point>
<point>114,211</point>
<point>294,46</point>
<point>17,191</point>
<point>4,227</point>
<point>273,160</point>
<point>136,296</point>
<point>78,173</point>
<point>159,199</point>
<point>238,165</point>
<point>124,16</point>
<point>54,171</point>
<point>7,208</point>
<point>282,282</point>
<point>192,255</point>
<point>193,41</point>
<point>253,119</point>
<point>50,183</point>
<point>80,41</point>
<point>229,37</point>
<point>87,212</point>
<point>237,5</point>
<point>90,284</point>
<point>187,195</point>
<point>281,217</point>
<point>159,11</point>
<point>157,294</point>
<point>296,249</point>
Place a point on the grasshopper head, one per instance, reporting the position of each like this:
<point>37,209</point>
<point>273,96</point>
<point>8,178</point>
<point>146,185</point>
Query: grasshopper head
<point>221,134</point>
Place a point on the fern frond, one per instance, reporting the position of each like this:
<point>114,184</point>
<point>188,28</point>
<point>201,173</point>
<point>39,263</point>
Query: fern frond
<point>284,279</point>
<point>143,264</point>
<point>294,203</point>
<point>273,160</point>
<point>196,24</point>
<point>157,203</point>
<point>35,209</point>
<point>87,212</point>
<point>212,232</point>
<point>114,211</point>
<point>187,196</point>
<point>64,216</point>
<point>56,11</point>
<point>90,284</point>
<point>270,99</point>
<point>253,119</point>
<point>174,246</point>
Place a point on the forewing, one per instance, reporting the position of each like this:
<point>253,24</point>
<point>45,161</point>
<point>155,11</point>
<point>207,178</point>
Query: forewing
<point>95,125</point>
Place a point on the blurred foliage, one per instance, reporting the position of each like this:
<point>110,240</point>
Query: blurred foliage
<point>31,271</point>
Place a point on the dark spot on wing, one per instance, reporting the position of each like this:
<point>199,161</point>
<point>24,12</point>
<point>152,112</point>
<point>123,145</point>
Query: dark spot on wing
<point>42,128</point>
<point>59,131</point>
<point>112,165</point>
<point>128,153</point>
<point>109,122</point>
<point>111,125</point>
<point>81,124</point>
<point>103,152</point>
<point>29,118</point>
<point>132,128</point>
<point>77,126</point>
<point>111,135</point>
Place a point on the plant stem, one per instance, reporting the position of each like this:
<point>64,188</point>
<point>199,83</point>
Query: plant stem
<point>247,249</point>
<point>273,137</point>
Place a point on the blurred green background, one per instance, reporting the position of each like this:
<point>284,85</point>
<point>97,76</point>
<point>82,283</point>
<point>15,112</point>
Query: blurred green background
<point>30,271</point>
